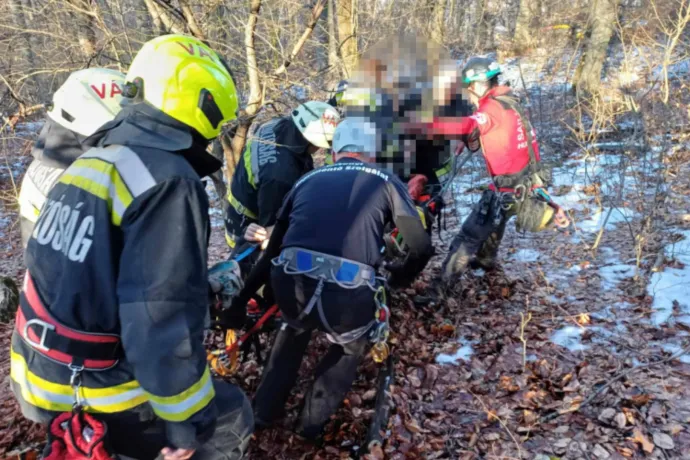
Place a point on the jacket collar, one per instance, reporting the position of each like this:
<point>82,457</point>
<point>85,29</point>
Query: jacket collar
<point>143,126</point>
<point>57,146</point>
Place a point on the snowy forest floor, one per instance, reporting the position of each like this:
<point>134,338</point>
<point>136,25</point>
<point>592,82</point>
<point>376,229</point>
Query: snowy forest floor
<point>563,352</point>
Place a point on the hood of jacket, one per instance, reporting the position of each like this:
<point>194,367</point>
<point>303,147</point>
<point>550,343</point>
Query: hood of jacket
<point>58,147</point>
<point>141,125</point>
<point>289,136</point>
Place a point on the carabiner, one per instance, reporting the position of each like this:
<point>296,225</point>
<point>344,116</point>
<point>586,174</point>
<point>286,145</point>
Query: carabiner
<point>75,383</point>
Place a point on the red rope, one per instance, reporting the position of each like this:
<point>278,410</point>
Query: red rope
<point>259,324</point>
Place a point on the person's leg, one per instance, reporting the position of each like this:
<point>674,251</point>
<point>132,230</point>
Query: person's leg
<point>234,426</point>
<point>474,232</point>
<point>136,434</point>
<point>280,374</point>
<point>486,257</point>
<point>345,310</point>
<point>334,376</point>
<point>140,435</point>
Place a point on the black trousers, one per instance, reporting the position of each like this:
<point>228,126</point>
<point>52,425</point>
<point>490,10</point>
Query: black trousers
<point>139,434</point>
<point>479,237</point>
<point>345,310</point>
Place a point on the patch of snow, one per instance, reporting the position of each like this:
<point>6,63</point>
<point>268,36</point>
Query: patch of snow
<point>479,272</point>
<point>611,275</point>
<point>675,349</point>
<point>673,284</point>
<point>464,353</point>
<point>526,255</point>
<point>595,221</point>
<point>29,128</point>
<point>569,337</point>
<point>678,69</point>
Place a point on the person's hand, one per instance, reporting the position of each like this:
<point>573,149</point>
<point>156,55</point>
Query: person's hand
<point>177,454</point>
<point>256,233</point>
<point>561,219</point>
<point>473,143</point>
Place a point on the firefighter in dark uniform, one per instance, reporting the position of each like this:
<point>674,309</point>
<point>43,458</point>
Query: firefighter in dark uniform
<point>511,152</point>
<point>279,153</point>
<point>325,250</point>
<point>116,292</point>
<point>88,99</point>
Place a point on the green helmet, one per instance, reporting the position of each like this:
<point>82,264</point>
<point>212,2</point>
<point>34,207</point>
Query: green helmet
<point>479,69</point>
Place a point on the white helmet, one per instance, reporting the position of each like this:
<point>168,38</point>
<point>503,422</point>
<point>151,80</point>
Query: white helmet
<point>316,121</point>
<point>88,99</point>
<point>355,135</point>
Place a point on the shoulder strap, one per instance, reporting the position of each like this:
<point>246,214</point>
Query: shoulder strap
<point>510,102</point>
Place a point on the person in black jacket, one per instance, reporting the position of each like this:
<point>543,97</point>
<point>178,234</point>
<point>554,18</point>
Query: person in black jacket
<point>88,99</point>
<point>117,290</point>
<point>327,247</point>
<point>279,153</point>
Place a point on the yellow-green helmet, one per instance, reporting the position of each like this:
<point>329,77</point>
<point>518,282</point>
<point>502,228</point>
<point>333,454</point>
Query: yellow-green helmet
<point>185,79</point>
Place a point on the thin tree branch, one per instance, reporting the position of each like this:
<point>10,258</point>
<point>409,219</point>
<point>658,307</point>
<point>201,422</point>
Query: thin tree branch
<point>315,15</point>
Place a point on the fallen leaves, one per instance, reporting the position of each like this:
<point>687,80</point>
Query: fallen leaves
<point>620,420</point>
<point>606,415</point>
<point>663,441</point>
<point>600,452</point>
<point>583,319</point>
<point>644,442</point>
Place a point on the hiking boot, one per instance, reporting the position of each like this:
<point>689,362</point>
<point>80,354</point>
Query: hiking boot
<point>435,294</point>
<point>485,264</point>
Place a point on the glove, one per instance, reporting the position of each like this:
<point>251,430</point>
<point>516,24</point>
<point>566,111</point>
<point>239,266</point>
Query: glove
<point>235,316</point>
<point>225,281</point>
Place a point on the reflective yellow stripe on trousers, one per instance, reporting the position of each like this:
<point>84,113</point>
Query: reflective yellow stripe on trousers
<point>56,397</point>
<point>180,407</point>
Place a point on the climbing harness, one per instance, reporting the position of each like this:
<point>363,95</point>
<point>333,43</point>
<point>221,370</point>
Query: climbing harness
<point>74,435</point>
<point>347,274</point>
<point>60,343</point>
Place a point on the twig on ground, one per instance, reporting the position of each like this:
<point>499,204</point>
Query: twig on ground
<point>523,323</point>
<point>490,414</point>
<point>616,378</point>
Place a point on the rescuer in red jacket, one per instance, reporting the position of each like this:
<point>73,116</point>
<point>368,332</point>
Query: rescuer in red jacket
<point>511,152</point>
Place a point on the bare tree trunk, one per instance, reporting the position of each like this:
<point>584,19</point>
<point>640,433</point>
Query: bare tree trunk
<point>315,14</point>
<point>602,16</point>
<point>145,21</point>
<point>84,21</point>
<point>163,18</point>
<point>26,50</point>
<point>321,35</point>
<point>193,25</point>
<point>152,9</point>
<point>347,34</point>
<point>233,154</point>
<point>529,11</point>
<point>332,38</point>
<point>437,15</point>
